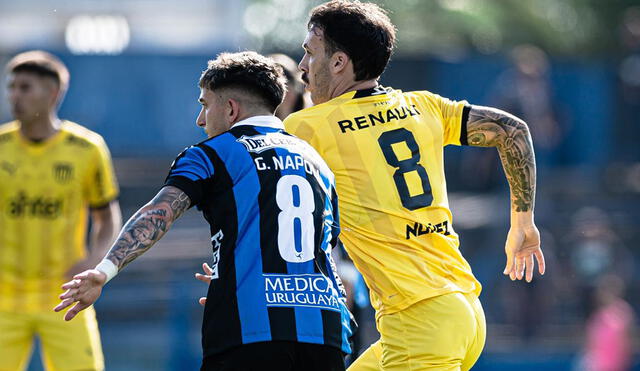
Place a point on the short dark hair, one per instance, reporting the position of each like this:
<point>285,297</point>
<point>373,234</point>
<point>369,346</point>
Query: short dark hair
<point>362,30</point>
<point>249,71</point>
<point>42,64</point>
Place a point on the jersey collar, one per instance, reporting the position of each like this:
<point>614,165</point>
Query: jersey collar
<point>363,93</point>
<point>269,121</point>
<point>377,90</point>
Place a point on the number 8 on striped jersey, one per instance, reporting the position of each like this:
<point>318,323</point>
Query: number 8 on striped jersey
<point>296,231</point>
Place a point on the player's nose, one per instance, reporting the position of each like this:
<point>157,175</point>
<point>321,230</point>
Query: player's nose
<point>201,120</point>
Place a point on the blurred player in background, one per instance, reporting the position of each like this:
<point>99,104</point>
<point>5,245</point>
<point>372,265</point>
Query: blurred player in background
<point>296,97</point>
<point>53,174</point>
<point>386,150</point>
<point>275,301</point>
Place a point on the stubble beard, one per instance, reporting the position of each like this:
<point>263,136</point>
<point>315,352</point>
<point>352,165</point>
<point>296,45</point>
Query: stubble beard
<point>321,91</point>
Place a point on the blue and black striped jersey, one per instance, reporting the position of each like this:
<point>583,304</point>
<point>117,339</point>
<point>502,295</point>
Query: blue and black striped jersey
<point>271,203</point>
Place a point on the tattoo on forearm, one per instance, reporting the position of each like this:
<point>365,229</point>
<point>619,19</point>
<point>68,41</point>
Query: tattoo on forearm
<point>490,127</point>
<point>148,225</point>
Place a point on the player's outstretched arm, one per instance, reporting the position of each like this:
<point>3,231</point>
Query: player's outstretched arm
<point>148,225</point>
<point>491,127</point>
<point>105,224</point>
<point>144,229</point>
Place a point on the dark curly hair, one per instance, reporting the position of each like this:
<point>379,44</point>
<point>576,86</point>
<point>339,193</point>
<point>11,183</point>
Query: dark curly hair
<point>249,71</point>
<point>361,30</point>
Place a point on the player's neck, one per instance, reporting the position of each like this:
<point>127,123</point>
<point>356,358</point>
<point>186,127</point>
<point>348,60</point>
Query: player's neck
<point>346,86</point>
<point>40,128</point>
<point>251,113</point>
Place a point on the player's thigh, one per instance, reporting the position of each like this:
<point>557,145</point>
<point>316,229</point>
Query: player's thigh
<point>16,340</point>
<point>71,345</point>
<point>475,349</point>
<point>433,334</point>
<point>369,360</point>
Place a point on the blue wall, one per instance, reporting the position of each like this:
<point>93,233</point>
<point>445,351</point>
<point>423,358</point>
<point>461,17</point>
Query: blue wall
<point>142,105</point>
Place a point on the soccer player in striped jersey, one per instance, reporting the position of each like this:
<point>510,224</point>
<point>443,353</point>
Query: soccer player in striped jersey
<point>54,174</point>
<point>385,148</point>
<point>274,301</point>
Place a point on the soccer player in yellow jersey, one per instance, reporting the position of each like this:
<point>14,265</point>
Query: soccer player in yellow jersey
<point>53,175</point>
<point>385,147</point>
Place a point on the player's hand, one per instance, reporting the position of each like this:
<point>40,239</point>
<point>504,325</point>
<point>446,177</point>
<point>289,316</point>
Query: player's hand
<point>206,278</point>
<point>84,289</point>
<point>522,247</point>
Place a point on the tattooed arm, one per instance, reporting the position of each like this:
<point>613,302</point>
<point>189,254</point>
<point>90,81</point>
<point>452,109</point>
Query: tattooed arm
<point>490,127</point>
<point>142,231</point>
<point>148,225</point>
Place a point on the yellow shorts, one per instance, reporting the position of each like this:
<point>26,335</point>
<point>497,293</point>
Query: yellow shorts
<point>73,345</point>
<point>445,333</point>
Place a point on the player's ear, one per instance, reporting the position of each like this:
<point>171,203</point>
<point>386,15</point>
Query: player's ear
<point>55,94</point>
<point>339,62</point>
<point>232,111</point>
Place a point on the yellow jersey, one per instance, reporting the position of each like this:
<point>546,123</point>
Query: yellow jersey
<point>46,189</point>
<point>385,148</point>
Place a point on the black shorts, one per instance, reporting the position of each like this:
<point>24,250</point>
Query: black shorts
<point>277,355</point>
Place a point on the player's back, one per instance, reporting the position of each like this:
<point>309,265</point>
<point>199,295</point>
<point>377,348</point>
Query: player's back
<point>385,148</point>
<point>270,201</point>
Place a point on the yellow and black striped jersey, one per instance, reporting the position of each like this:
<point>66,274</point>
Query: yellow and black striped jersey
<point>46,189</point>
<point>385,148</point>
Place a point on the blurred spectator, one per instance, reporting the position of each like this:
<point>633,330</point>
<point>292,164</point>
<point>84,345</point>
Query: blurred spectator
<point>596,251</point>
<point>525,91</point>
<point>629,84</point>
<point>608,332</point>
<point>296,97</point>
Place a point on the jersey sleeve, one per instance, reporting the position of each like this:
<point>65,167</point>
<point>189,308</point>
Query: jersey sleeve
<point>189,171</point>
<point>454,119</point>
<point>102,182</point>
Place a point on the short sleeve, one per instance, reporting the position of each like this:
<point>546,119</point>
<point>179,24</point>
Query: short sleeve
<point>189,171</point>
<point>454,119</point>
<point>102,182</point>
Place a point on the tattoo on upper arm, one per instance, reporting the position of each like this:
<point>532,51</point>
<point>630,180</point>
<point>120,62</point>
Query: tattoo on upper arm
<point>148,225</point>
<point>490,127</point>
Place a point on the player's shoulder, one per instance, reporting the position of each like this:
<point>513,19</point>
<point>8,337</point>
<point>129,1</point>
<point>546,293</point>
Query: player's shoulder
<point>208,147</point>
<point>423,95</point>
<point>7,130</point>
<point>309,114</point>
<point>78,135</point>
<point>428,100</point>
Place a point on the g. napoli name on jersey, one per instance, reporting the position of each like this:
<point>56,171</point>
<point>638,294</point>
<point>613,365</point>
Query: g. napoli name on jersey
<point>288,161</point>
